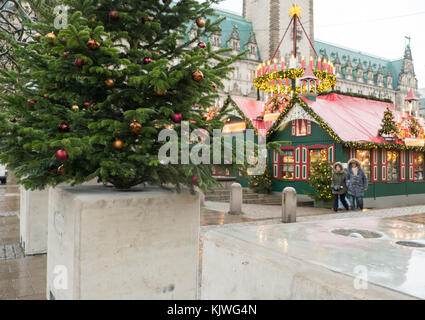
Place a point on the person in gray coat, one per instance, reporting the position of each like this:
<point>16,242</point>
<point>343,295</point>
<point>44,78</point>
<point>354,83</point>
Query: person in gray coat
<point>357,184</point>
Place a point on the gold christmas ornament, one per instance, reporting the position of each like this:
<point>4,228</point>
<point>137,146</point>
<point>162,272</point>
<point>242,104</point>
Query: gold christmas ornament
<point>118,144</point>
<point>200,22</point>
<point>37,36</point>
<point>75,108</point>
<point>161,92</point>
<point>92,44</point>
<point>198,76</point>
<point>135,127</point>
<point>109,83</point>
<point>51,36</point>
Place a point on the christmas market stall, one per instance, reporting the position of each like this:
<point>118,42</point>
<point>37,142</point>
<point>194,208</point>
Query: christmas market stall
<point>324,126</point>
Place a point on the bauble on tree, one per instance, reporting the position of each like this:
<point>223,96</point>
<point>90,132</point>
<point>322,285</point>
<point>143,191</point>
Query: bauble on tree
<point>62,155</point>
<point>200,22</point>
<point>80,62</point>
<point>118,144</point>
<point>92,44</point>
<point>177,118</point>
<point>198,76</point>
<point>113,15</point>
<point>135,127</point>
<point>64,127</point>
<point>109,83</point>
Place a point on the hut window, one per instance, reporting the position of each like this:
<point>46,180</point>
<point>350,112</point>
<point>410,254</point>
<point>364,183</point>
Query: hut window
<point>363,156</point>
<point>287,167</point>
<point>418,162</point>
<point>393,166</point>
<point>301,128</point>
<point>316,156</point>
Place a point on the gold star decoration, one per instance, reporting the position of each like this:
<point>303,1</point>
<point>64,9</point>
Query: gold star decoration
<point>295,10</point>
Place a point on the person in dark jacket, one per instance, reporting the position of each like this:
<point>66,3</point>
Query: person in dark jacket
<point>357,184</point>
<point>339,186</point>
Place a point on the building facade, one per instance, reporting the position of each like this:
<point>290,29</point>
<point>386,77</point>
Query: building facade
<point>260,29</point>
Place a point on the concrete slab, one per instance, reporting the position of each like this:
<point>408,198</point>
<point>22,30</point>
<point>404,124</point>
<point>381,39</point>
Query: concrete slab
<point>309,261</point>
<point>108,244</point>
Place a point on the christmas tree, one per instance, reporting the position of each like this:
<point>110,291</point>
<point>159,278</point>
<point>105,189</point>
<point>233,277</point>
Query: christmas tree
<point>90,99</point>
<point>389,127</point>
<point>321,181</point>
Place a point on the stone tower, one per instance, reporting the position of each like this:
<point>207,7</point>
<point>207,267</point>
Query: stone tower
<point>270,19</point>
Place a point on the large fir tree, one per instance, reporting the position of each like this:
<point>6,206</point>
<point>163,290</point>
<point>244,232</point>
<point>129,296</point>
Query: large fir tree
<point>89,101</point>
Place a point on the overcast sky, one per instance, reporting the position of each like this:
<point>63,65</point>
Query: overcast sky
<point>372,26</point>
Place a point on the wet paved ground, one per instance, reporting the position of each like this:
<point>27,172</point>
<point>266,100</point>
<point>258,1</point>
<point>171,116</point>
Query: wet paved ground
<point>20,277</point>
<point>25,277</point>
<point>416,218</point>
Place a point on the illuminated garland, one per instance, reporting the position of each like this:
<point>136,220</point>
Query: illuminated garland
<point>386,146</point>
<point>270,82</point>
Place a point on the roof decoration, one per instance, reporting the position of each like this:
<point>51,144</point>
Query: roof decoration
<point>272,80</point>
<point>353,121</point>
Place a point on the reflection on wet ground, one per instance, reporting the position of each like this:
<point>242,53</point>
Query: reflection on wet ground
<point>25,277</point>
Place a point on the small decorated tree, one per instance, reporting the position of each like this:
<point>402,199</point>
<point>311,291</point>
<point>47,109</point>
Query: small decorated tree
<point>261,184</point>
<point>415,129</point>
<point>389,127</point>
<point>321,181</point>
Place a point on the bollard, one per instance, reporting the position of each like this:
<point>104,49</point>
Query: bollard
<point>289,205</point>
<point>236,199</point>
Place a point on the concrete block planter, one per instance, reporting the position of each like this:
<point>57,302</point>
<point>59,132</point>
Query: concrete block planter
<point>107,244</point>
<point>33,220</point>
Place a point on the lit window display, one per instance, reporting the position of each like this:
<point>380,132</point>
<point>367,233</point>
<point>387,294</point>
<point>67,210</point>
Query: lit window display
<point>393,166</point>
<point>287,165</point>
<point>316,156</point>
<point>363,156</point>
<point>418,161</point>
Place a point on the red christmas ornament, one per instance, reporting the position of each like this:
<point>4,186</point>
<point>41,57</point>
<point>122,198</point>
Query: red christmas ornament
<point>62,155</point>
<point>86,104</point>
<point>202,45</point>
<point>32,102</point>
<point>61,170</point>
<point>80,62</point>
<point>64,127</point>
<point>177,118</point>
<point>65,53</point>
<point>147,60</point>
<point>195,180</point>
<point>213,85</point>
<point>113,15</point>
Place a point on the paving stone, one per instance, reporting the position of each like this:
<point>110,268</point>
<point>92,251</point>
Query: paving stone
<point>19,253</point>
<point>10,253</point>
